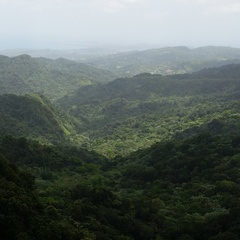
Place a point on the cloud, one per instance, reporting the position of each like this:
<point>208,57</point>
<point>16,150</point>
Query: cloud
<point>215,2</point>
<point>225,9</point>
<point>111,6</point>
<point>156,15</point>
<point>104,6</point>
<point>212,6</point>
<point>121,20</point>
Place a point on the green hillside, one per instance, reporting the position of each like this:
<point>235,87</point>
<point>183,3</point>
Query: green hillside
<point>131,113</point>
<point>185,189</point>
<point>167,61</point>
<point>21,214</point>
<point>53,78</point>
<point>165,166</point>
<point>33,116</point>
<point>30,209</point>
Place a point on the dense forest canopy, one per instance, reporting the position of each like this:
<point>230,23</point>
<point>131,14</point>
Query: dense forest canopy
<point>53,78</point>
<point>184,189</point>
<point>35,117</point>
<point>131,113</point>
<point>147,157</point>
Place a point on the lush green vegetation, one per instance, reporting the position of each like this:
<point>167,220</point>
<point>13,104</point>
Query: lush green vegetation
<point>167,61</point>
<point>37,211</point>
<point>21,214</point>
<point>129,113</point>
<point>166,164</point>
<point>53,78</point>
<point>121,116</point>
<point>34,117</point>
<point>186,189</point>
<point>132,113</point>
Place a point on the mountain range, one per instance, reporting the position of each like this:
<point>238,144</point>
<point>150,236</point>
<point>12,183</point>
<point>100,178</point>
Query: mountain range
<point>143,157</point>
<point>125,62</point>
<point>53,78</point>
<point>167,61</point>
<point>129,113</point>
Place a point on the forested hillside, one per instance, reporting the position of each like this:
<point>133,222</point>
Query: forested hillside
<point>21,214</point>
<point>167,61</point>
<point>126,62</point>
<point>33,116</point>
<point>53,78</point>
<point>32,209</point>
<point>148,157</point>
<point>131,113</point>
<point>185,189</point>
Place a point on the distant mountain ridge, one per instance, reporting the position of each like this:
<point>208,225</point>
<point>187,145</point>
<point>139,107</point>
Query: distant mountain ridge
<point>140,86</point>
<point>125,62</point>
<point>168,60</point>
<point>54,78</point>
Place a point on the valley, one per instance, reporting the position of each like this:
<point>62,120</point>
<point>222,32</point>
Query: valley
<point>146,151</point>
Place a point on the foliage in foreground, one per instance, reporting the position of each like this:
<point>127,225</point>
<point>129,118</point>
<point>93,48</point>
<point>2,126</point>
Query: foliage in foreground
<point>182,189</point>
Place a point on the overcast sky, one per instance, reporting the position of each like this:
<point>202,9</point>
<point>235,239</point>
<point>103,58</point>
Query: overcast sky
<point>76,23</point>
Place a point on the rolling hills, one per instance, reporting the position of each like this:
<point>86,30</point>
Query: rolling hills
<point>131,113</point>
<point>167,61</point>
<point>128,62</point>
<point>53,78</point>
<point>126,114</point>
<point>138,158</point>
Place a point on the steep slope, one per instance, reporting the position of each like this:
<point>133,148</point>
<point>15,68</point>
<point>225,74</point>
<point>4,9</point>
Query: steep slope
<point>167,61</point>
<point>129,113</point>
<point>33,116</point>
<point>54,78</point>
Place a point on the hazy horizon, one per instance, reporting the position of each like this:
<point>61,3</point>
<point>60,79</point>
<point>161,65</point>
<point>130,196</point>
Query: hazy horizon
<point>71,24</point>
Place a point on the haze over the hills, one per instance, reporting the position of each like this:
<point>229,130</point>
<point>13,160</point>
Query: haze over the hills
<point>66,24</point>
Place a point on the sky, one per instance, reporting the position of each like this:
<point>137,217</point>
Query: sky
<point>61,24</point>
